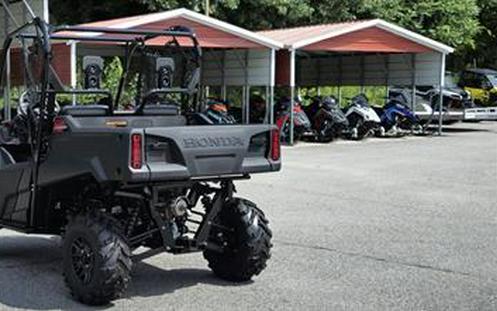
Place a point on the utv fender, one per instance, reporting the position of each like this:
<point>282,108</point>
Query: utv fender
<point>98,171</point>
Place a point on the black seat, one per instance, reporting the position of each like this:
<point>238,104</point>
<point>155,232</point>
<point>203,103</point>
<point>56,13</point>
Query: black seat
<point>161,110</point>
<point>86,110</point>
<point>5,158</point>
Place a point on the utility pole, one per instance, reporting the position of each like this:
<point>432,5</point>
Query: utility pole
<point>207,7</point>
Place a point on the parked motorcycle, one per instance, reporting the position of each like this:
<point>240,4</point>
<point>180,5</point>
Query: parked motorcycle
<point>428,103</point>
<point>396,117</point>
<point>301,123</point>
<point>363,120</point>
<point>327,119</point>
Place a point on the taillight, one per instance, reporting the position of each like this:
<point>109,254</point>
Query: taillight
<point>136,151</point>
<point>59,125</point>
<point>275,145</point>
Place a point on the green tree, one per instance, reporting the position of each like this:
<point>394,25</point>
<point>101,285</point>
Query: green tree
<point>77,12</point>
<point>485,53</point>
<point>267,14</point>
<point>467,25</point>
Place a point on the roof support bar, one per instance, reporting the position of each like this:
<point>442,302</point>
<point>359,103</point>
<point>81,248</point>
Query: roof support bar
<point>387,75</point>
<point>363,89</point>
<point>74,69</point>
<point>292,94</point>
<point>223,75</point>
<point>246,99</point>
<point>413,85</point>
<point>272,78</point>
<point>441,99</point>
<point>340,78</point>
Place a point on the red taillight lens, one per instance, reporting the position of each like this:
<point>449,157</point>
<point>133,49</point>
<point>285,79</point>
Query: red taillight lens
<point>59,125</point>
<point>136,151</point>
<point>275,145</point>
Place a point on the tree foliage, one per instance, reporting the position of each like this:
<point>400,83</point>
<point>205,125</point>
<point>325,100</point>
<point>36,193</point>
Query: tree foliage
<point>468,25</point>
<point>486,43</point>
<point>267,14</point>
<point>76,12</point>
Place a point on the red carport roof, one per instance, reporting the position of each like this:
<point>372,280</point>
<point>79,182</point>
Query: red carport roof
<point>358,36</point>
<point>211,32</point>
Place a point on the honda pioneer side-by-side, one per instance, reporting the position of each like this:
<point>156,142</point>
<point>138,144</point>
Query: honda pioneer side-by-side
<point>123,181</point>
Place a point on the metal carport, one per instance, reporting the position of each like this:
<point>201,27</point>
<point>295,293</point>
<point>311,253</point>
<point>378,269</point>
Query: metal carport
<point>232,56</point>
<point>360,53</point>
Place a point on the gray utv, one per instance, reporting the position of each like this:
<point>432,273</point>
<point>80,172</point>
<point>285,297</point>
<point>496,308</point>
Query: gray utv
<point>121,185</point>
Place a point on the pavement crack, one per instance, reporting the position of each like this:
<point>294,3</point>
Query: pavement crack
<point>384,260</point>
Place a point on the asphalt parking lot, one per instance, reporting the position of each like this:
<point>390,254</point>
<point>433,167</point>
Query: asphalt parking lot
<point>385,224</point>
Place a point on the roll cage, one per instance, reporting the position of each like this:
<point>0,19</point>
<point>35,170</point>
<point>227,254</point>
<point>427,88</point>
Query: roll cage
<point>36,37</point>
<point>133,40</point>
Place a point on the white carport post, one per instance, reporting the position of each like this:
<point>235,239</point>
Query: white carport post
<point>413,86</point>
<point>6,91</point>
<point>272,78</point>
<point>74,69</point>
<point>441,99</point>
<point>292,93</point>
<point>223,65</point>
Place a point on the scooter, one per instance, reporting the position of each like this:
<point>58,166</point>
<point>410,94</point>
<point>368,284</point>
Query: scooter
<point>328,120</point>
<point>363,120</point>
<point>301,123</point>
<point>396,118</point>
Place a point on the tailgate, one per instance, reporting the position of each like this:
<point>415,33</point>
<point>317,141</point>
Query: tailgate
<point>202,151</point>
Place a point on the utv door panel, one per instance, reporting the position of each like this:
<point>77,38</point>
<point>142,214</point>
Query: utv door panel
<point>15,194</point>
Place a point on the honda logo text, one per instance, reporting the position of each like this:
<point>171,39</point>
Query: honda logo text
<point>212,142</point>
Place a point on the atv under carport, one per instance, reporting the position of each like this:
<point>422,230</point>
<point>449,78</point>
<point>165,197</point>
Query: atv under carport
<point>111,181</point>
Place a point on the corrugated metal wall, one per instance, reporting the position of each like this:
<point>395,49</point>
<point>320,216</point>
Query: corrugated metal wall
<point>367,69</point>
<point>236,68</point>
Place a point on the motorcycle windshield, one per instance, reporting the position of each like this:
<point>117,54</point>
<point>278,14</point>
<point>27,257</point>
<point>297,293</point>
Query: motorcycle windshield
<point>360,100</point>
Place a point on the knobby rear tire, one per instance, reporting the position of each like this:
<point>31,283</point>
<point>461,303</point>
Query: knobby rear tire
<point>110,275</point>
<point>247,247</point>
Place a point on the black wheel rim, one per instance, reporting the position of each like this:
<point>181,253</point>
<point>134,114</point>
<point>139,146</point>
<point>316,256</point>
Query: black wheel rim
<point>83,259</point>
